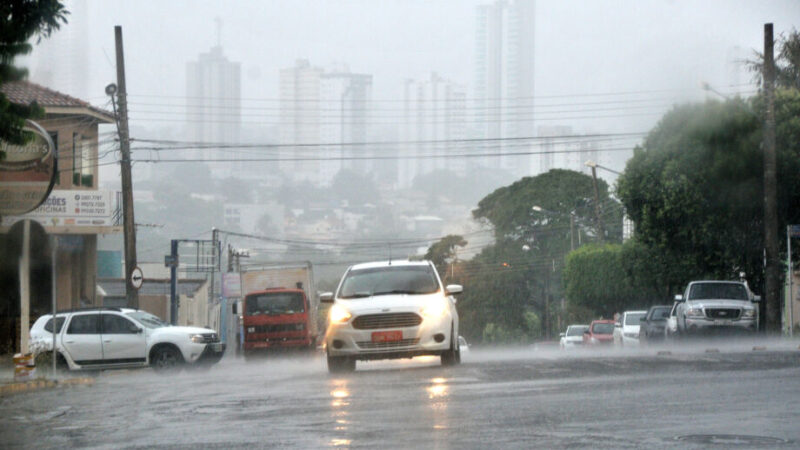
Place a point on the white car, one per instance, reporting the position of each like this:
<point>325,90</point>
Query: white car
<point>115,338</point>
<point>391,309</point>
<point>626,330</point>
<point>573,337</point>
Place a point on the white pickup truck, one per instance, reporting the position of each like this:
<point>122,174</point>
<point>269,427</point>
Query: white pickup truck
<point>708,307</point>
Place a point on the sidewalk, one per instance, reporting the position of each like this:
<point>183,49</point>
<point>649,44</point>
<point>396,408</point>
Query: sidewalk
<point>9,386</point>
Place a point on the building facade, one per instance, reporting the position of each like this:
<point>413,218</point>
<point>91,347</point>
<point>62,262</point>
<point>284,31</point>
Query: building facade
<point>504,79</point>
<point>76,211</point>
<point>214,110</point>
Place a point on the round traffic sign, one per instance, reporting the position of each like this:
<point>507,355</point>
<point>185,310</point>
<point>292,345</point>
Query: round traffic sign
<point>136,278</point>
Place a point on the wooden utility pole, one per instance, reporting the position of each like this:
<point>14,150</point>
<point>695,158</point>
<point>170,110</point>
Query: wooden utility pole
<point>772,270</point>
<point>128,227</point>
<point>601,231</point>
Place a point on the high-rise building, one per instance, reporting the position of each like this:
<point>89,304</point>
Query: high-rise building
<point>504,77</point>
<point>61,61</point>
<point>213,108</point>
<point>319,107</point>
<point>434,116</point>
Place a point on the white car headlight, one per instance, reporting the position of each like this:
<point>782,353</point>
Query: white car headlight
<point>338,314</point>
<point>748,313</point>
<point>694,312</point>
<point>197,338</point>
<point>436,309</point>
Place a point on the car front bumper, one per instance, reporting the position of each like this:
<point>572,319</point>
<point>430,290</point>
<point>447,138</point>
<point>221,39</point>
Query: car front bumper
<point>712,326</point>
<point>211,354</point>
<point>344,340</point>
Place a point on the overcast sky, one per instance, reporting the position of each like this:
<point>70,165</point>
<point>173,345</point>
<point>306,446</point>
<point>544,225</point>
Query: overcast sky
<point>582,47</point>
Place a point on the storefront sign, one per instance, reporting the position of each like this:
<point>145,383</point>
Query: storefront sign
<point>71,208</point>
<point>27,172</point>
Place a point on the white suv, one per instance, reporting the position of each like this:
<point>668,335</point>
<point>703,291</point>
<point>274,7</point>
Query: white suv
<point>111,338</point>
<point>392,309</point>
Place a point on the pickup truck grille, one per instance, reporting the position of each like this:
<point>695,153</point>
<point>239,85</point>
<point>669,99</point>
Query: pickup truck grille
<point>722,313</point>
<point>278,327</point>
<point>390,320</point>
<point>369,345</point>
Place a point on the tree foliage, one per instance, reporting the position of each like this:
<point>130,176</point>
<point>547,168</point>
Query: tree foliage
<point>443,252</point>
<point>21,20</point>
<point>787,62</point>
<point>694,189</point>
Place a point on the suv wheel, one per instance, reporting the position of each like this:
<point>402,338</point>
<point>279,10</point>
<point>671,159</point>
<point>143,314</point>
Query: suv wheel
<point>166,358</point>
<point>341,364</point>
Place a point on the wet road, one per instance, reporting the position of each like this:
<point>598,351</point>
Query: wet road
<point>519,398</point>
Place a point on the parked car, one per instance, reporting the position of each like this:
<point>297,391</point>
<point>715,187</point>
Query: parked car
<point>653,324</point>
<point>600,332</point>
<point>117,338</point>
<point>391,309</point>
<point>713,307</point>
<point>671,325</point>
<point>626,329</point>
<point>573,337</point>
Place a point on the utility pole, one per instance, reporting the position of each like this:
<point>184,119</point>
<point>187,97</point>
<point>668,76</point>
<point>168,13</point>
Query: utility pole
<point>601,231</point>
<point>571,231</point>
<point>128,226</point>
<point>772,275</point>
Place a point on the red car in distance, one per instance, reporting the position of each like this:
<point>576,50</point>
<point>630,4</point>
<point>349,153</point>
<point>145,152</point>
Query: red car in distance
<point>600,332</point>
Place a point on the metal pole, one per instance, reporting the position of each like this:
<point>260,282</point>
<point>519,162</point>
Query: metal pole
<point>173,283</point>
<point>53,278</point>
<point>25,288</point>
<point>791,276</point>
<point>128,224</point>
<point>571,231</point>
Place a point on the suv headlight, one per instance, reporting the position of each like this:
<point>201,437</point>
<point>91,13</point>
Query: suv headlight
<point>197,338</point>
<point>436,309</point>
<point>748,313</point>
<point>694,312</point>
<point>339,314</point>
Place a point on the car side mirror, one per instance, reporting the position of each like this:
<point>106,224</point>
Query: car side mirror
<point>678,298</point>
<point>643,319</point>
<point>562,334</point>
<point>453,289</point>
<point>756,298</point>
<point>586,332</point>
<point>617,325</point>
<point>326,297</point>
<point>136,329</point>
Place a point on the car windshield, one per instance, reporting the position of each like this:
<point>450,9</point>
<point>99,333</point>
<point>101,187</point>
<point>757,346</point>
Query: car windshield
<point>411,280</point>
<point>147,319</point>
<point>603,328</point>
<point>709,291</point>
<point>577,331</point>
<point>660,314</point>
<point>274,303</point>
<point>634,318</point>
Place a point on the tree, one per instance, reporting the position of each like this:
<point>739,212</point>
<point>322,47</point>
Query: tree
<point>694,188</point>
<point>787,63</point>
<point>444,251</point>
<point>521,272</point>
<point>21,20</point>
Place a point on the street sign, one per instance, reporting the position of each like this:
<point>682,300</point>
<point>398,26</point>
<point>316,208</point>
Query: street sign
<point>136,278</point>
<point>794,231</point>
<point>170,261</point>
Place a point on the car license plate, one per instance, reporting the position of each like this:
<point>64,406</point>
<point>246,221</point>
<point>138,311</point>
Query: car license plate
<point>723,322</point>
<point>216,347</point>
<point>387,336</point>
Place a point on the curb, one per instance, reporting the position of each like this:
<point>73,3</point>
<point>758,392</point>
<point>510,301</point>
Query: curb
<point>36,385</point>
